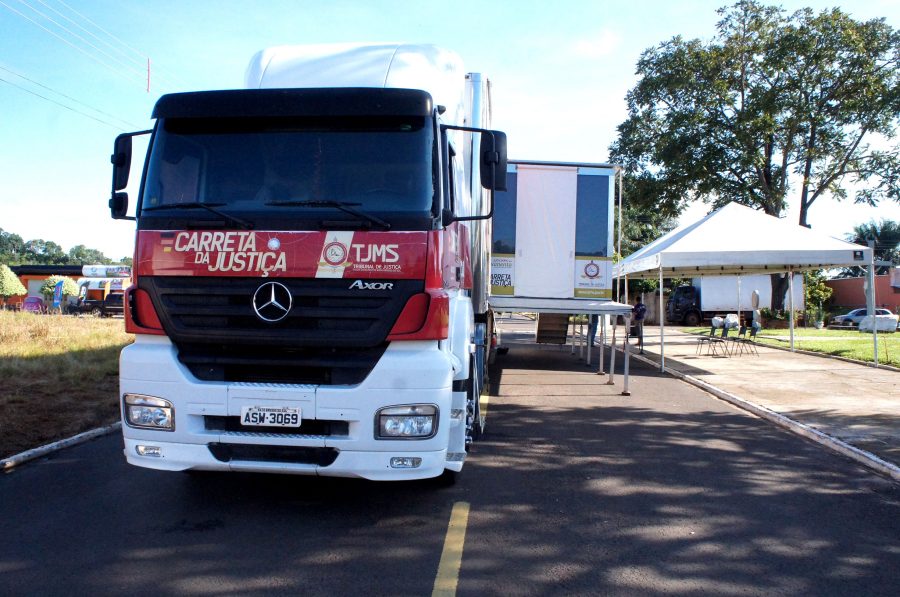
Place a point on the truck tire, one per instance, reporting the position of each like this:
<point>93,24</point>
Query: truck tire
<point>692,319</point>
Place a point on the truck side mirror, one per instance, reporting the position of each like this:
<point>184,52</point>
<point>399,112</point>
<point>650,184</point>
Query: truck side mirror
<point>118,206</point>
<point>493,160</point>
<point>121,161</point>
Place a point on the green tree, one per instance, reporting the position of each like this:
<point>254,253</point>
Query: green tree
<point>641,225</point>
<point>15,251</point>
<point>12,248</point>
<point>80,254</point>
<point>70,288</point>
<point>817,293</point>
<point>10,284</point>
<point>886,235</point>
<point>44,252</point>
<point>772,96</point>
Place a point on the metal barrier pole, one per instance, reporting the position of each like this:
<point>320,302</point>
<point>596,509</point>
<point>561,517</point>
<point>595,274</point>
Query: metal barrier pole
<point>573,335</point>
<point>627,350</point>
<point>612,353</point>
<point>590,341</point>
<point>583,340</point>
<point>601,321</point>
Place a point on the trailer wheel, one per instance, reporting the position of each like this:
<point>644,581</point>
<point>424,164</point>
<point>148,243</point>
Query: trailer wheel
<point>692,319</point>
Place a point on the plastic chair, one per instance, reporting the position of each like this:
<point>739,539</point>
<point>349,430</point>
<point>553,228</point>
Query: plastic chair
<point>705,339</point>
<point>738,341</point>
<point>718,341</point>
<point>750,342</point>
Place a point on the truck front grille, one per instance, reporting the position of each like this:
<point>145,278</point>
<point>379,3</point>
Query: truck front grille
<point>230,362</point>
<point>286,454</point>
<point>333,334</point>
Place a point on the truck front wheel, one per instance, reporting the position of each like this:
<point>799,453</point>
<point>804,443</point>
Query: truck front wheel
<point>692,319</point>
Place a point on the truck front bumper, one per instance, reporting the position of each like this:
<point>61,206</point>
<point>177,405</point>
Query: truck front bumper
<point>342,442</point>
<point>376,466</point>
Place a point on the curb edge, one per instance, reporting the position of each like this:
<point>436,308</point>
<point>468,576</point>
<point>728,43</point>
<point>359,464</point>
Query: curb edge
<point>15,460</point>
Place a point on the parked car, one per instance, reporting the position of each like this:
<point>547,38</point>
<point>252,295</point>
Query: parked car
<point>856,315</point>
<point>111,305</point>
<point>34,304</point>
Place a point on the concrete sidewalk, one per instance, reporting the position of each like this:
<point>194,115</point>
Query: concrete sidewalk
<point>855,403</point>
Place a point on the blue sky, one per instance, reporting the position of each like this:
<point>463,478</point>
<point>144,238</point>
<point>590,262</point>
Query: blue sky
<point>560,72</point>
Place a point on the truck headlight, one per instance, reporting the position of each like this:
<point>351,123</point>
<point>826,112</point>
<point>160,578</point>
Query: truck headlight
<point>414,421</point>
<point>147,412</point>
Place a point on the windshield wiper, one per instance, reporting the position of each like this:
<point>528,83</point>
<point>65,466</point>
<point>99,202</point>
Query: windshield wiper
<point>341,205</point>
<point>207,206</point>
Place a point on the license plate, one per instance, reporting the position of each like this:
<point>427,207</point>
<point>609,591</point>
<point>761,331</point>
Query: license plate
<point>270,416</point>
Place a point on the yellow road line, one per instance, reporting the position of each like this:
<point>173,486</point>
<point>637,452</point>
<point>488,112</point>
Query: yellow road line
<point>485,399</point>
<point>451,557</point>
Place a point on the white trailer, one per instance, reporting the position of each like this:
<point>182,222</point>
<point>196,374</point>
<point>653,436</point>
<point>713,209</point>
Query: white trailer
<point>552,244</point>
<point>552,236</point>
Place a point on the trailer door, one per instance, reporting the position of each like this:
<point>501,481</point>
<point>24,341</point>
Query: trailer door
<point>545,221</point>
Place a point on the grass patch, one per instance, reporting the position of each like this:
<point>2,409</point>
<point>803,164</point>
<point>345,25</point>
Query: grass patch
<point>58,377</point>
<point>849,344</point>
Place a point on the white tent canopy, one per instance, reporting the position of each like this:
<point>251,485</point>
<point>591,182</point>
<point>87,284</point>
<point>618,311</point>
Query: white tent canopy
<point>736,239</point>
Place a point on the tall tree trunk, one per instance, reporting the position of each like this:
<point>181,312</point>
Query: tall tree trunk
<point>807,172</point>
<point>779,289</point>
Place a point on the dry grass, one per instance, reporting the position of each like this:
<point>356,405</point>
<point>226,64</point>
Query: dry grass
<point>58,377</point>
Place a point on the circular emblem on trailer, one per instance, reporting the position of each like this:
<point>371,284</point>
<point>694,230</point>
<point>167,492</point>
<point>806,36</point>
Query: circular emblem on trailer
<point>274,244</point>
<point>272,302</point>
<point>592,270</point>
<point>334,253</point>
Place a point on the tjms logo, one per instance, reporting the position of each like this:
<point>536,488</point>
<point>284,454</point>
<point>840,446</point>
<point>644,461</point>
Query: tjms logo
<point>337,254</point>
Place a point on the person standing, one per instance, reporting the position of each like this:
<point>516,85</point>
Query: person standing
<point>637,313</point>
<point>592,328</point>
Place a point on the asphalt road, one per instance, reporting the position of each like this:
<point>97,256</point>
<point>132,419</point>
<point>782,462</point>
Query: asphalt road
<point>575,489</point>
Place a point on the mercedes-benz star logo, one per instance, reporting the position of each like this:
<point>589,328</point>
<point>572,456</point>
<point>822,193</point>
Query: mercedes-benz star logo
<point>272,302</point>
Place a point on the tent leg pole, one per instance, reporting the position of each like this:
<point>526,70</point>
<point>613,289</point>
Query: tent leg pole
<point>626,349</point>
<point>791,303</point>
<point>662,325</point>
<point>870,303</point>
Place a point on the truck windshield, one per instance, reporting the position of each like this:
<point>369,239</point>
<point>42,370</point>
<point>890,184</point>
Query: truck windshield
<point>290,167</point>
